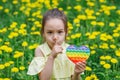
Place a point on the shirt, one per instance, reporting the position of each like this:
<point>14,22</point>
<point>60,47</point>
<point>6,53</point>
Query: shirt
<point>63,68</point>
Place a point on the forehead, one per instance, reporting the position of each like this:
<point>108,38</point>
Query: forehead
<point>54,23</point>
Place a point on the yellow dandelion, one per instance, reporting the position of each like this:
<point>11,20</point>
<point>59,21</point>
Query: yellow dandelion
<point>24,44</point>
<point>88,68</point>
<point>102,62</point>
<point>114,60</point>
<point>117,52</point>
<point>22,68</point>
<point>2,66</point>
<point>14,69</point>
<point>112,46</point>
<point>107,66</point>
<point>7,64</point>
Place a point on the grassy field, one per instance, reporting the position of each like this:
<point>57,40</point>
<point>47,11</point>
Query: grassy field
<point>95,23</point>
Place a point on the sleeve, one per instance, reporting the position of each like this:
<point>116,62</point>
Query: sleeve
<point>36,65</point>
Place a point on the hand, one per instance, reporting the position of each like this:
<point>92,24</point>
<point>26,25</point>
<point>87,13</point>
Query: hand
<point>57,48</point>
<point>80,67</point>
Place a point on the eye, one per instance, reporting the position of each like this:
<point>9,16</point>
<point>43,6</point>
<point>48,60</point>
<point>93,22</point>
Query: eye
<point>49,32</point>
<point>60,32</point>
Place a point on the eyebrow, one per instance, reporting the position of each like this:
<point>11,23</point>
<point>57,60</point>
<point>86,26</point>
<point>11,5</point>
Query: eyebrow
<point>51,29</point>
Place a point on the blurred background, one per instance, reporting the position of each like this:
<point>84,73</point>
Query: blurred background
<point>94,23</point>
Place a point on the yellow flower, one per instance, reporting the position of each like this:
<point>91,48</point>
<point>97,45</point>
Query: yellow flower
<point>90,3</point>
<point>76,20</point>
<point>112,24</point>
<point>91,77</point>
<point>78,8</point>
<point>0,52</point>
<point>4,1</point>
<point>1,40</point>
<point>118,12</point>
<point>113,60</point>
<point>2,66</point>
<point>7,79</point>
<point>1,7</point>
<point>22,26</point>
<point>92,36</point>
<point>7,43</point>
<point>107,12</point>
<point>104,46</point>
<point>1,78</point>
<point>107,57</point>
<point>117,52</point>
<point>22,68</point>
<point>93,52</point>
<point>100,24</point>
<point>15,13</point>
<point>73,36</point>
<point>7,64</point>
<point>18,54</point>
<point>6,10</point>
<point>88,68</point>
<point>93,23</point>
<point>77,35</point>
<point>11,62</point>
<point>15,2</point>
<point>116,34</point>
<point>24,44</point>
<point>14,69</point>
<point>102,62</point>
<point>102,57</point>
<point>112,46</point>
<point>69,7</point>
<point>82,17</point>
<point>88,78</point>
<point>102,1</point>
<point>107,66</point>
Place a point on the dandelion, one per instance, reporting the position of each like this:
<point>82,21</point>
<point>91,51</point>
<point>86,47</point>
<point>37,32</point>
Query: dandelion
<point>6,79</point>
<point>114,60</point>
<point>93,52</point>
<point>24,44</point>
<point>14,69</point>
<point>108,57</point>
<point>6,10</point>
<point>102,62</point>
<point>2,66</point>
<point>107,66</point>
<point>93,23</point>
<point>116,34</point>
<point>112,24</point>
<point>117,52</point>
<point>88,68</point>
<point>1,7</point>
<point>4,1</point>
<point>0,52</point>
<point>22,68</point>
<point>15,2</point>
<point>112,46</point>
<point>102,57</point>
<point>7,64</point>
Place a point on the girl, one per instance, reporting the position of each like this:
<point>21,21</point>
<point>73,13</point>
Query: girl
<point>50,61</point>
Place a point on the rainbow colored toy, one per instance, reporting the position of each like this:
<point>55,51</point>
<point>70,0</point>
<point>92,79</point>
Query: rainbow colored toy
<point>77,54</point>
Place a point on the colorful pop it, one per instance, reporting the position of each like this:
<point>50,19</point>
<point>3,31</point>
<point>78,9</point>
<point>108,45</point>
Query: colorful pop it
<point>77,54</point>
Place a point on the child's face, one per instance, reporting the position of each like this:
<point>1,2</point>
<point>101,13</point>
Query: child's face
<point>54,31</point>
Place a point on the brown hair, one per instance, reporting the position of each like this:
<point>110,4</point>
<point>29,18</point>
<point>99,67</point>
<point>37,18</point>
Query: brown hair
<point>54,13</point>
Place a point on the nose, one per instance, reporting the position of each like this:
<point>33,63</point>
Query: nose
<point>55,37</point>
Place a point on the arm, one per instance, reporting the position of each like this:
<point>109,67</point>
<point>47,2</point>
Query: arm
<point>79,68</point>
<point>46,73</point>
